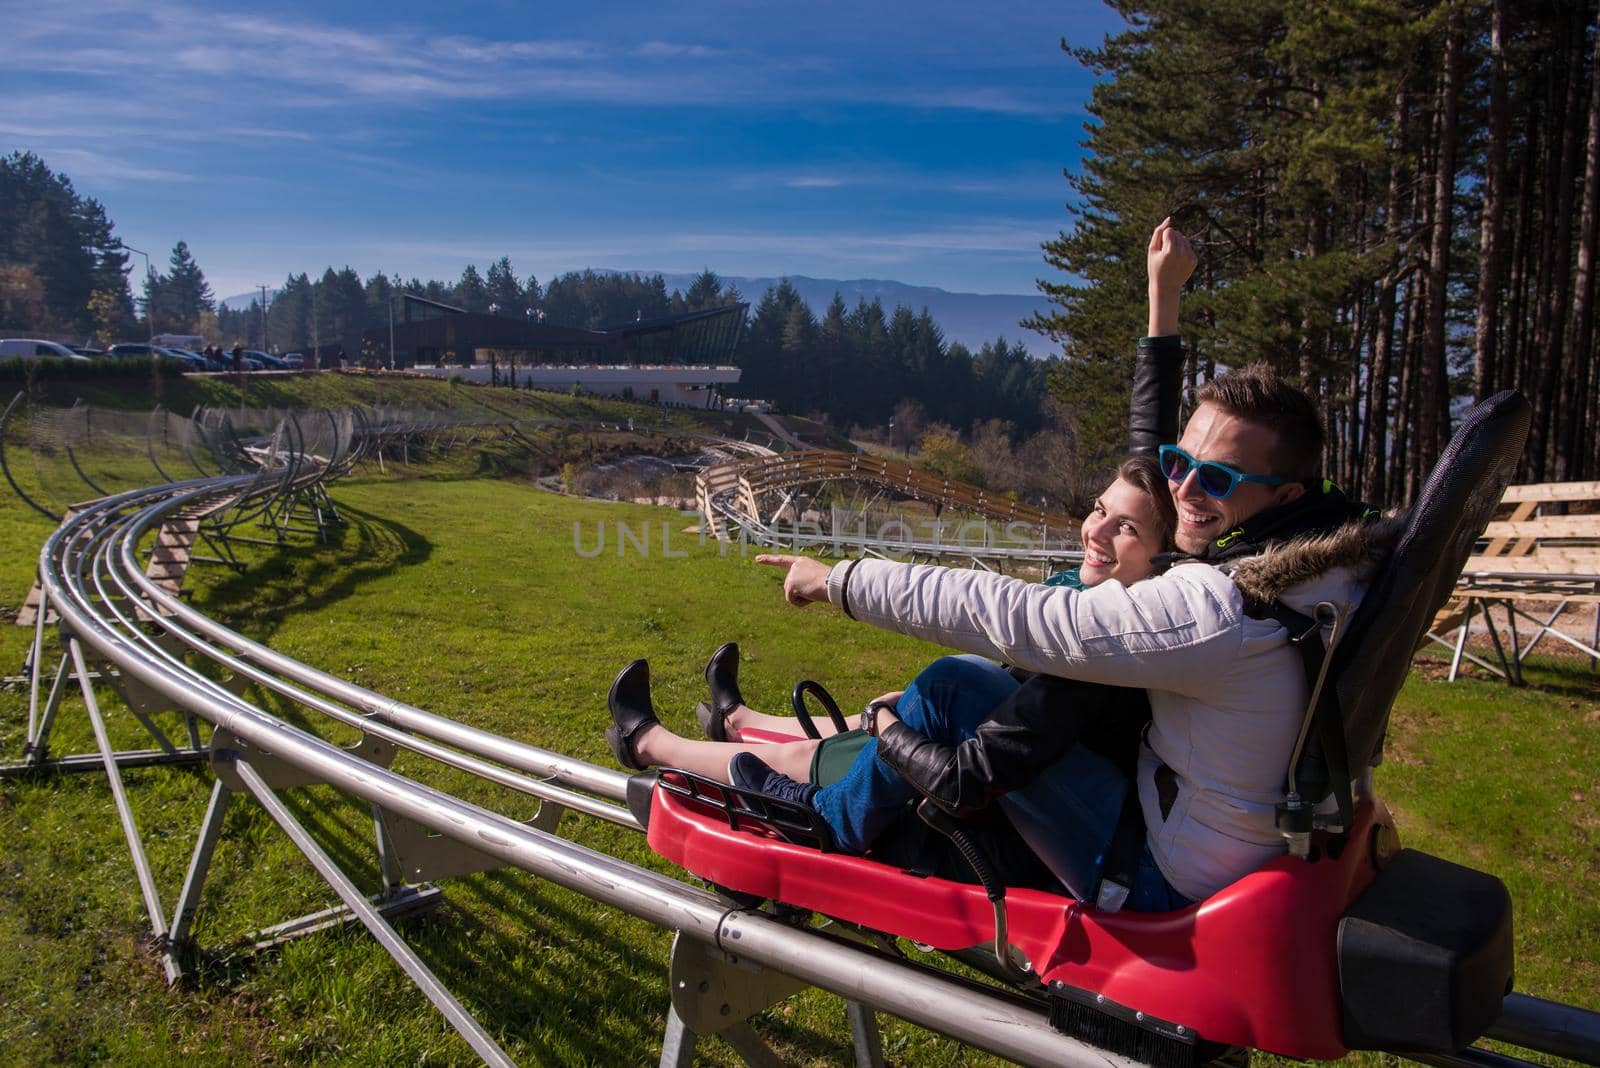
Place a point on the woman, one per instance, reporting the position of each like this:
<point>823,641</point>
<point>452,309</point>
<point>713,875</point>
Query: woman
<point>1130,524</point>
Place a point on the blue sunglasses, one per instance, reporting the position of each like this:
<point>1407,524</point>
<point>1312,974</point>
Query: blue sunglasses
<point>1216,480</point>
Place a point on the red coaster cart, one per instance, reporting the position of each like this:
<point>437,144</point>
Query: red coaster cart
<point>1346,942</point>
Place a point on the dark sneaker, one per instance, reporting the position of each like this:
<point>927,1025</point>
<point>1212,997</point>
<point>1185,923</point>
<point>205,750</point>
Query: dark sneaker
<point>749,772</point>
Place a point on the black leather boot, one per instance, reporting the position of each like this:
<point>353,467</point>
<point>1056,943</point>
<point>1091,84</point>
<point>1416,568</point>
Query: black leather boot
<point>722,679</point>
<point>631,712</point>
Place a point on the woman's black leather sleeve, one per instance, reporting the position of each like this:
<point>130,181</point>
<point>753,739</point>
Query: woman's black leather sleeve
<point>1022,736</point>
<point>1157,388</point>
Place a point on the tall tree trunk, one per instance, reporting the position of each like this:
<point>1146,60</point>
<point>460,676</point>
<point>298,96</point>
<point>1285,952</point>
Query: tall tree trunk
<point>1515,340</point>
<point>1546,424</point>
<point>1490,269</point>
<point>1433,385</point>
<point>1376,459</point>
<point>1573,461</point>
<point>1405,410</point>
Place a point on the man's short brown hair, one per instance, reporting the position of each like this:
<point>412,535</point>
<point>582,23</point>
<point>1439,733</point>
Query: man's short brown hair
<point>1258,395</point>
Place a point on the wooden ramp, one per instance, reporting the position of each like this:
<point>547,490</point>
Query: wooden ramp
<point>28,614</point>
<point>169,561</point>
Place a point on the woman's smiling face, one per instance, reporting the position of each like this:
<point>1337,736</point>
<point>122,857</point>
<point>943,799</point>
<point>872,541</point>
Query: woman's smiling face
<point>1120,535</point>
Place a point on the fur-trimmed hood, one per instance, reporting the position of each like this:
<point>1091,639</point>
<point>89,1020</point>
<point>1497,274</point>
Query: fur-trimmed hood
<point>1352,552</point>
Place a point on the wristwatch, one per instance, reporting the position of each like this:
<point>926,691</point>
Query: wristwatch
<point>869,716</point>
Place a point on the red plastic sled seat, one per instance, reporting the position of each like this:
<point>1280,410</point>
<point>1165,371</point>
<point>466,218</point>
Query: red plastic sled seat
<point>1254,965</point>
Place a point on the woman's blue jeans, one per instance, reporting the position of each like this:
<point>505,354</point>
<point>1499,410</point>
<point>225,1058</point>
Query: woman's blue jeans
<point>1067,815</point>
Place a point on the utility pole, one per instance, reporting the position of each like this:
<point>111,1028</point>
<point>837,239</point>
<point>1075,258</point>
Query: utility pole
<point>149,291</point>
<point>265,347</point>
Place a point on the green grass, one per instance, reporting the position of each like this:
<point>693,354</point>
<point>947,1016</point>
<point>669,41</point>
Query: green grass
<point>464,595</point>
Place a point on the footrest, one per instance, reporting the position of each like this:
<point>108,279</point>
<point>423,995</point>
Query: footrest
<point>749,810</point>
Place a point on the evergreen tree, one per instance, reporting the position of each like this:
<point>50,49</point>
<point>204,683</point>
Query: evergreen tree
<point>177,299</point>
<point>66,242</point>
<point>289,315</point>
<point>704,292</point>
<point>471,293</point>
<point>504,289</point>
<point>1398,204</point>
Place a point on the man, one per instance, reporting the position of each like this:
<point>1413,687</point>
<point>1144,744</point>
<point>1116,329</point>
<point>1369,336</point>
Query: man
<point>1226,689</point>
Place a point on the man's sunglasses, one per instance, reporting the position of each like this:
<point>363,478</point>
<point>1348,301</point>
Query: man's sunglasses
<point>1216,480</point>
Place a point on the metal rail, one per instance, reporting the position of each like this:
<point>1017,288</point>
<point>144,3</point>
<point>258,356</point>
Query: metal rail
<point>113,614</point>
<point>90,570</point>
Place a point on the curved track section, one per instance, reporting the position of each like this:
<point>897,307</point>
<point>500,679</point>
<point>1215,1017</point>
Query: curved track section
<point>762,499</point>
<point>120,626</point>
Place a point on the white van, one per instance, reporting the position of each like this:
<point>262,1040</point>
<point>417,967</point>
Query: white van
<point>179,341</point>
<point>28,348</point>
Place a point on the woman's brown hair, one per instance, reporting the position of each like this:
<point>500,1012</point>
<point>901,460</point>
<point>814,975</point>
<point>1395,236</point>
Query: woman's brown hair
<point>1143,471</point>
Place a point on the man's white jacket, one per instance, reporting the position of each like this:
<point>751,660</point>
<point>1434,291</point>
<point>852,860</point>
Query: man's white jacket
<point>1227,691</point>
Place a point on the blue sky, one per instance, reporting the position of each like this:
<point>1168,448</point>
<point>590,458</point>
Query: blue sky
<point>922,142</point>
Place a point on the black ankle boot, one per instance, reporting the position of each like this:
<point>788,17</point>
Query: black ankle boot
<point>722,679</point>
<point>631,712</point>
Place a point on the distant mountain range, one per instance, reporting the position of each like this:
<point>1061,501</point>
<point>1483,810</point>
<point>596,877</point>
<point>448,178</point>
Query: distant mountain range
<point>970,318</point>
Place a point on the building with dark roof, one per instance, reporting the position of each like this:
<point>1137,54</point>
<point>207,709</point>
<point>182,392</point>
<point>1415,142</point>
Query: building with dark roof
<point>428,333</point>
<point>678,359</point>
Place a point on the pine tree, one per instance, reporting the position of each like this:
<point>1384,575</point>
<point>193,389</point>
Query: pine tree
<point>503,288</point>
<point>178,298</point>
<point>704,292</point>
<point>66,242</point>
<point>470,293</point>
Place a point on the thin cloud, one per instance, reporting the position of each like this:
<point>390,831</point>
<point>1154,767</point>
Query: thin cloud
<point>91,167</point>
<point>676,50</point>
<point>266,134</point>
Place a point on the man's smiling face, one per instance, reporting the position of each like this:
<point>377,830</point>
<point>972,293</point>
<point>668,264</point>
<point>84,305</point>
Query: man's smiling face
<point>1217,436</point>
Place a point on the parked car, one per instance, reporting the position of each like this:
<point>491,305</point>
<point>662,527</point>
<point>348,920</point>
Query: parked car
<point>141,350</point>
<point>207,363</point>
<point>28,348</point>
<point>88,352</point>
<point>294,359</point>
<point>267,361</point>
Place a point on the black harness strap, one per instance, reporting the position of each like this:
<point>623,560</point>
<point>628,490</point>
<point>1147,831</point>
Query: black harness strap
<point>1326,742</point>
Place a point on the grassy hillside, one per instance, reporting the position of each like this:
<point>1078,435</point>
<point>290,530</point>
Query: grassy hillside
<point>467,595</point>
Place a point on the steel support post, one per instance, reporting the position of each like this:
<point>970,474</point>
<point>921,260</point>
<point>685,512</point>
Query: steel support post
<point>125,758</point>
<point>716,992</point>
<point>178,942</point>
<point>1461,638</point>
<point>1513,667</point>
<point>130,829</point>
<point>38,743</point>
<point>35,660</point>
<point>356,902</point>
<point>865,1041</point>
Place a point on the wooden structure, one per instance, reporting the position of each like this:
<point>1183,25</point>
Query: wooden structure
<point>745,486</point>
<point>1533,559</point>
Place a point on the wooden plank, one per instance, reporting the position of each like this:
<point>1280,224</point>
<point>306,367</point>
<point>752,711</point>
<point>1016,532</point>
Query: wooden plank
<point>1546,526</point>
<point>1523,511</point>
<point>1572,562</point>
<point>1553,491</point>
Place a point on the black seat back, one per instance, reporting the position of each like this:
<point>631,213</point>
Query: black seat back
<point>1371,661</point>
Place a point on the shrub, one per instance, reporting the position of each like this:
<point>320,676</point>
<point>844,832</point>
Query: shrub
<point>50,370</point>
